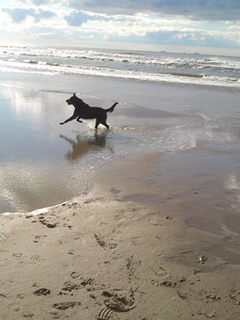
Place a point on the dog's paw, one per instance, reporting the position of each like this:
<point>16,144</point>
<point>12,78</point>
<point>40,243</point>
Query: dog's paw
<point>61,123</point>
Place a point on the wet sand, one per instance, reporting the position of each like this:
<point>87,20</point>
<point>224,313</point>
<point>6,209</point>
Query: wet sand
<point>43,163</point>
<point>156,238</point>
<point>157,235</point>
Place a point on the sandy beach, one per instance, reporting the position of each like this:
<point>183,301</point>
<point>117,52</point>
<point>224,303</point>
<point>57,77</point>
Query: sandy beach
<point>142,221</point>
<point>137,247</point>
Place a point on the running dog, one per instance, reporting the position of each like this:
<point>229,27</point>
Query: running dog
<point>84,111</point>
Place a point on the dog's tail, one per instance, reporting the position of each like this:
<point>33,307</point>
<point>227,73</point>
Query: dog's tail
<point>112,107</point>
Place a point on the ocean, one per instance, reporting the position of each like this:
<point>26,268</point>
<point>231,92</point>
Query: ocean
<point>168,102</point>
<point>128,65</point>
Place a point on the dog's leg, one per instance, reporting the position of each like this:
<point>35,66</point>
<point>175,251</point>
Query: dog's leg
<point>105,124</point>
<point>69,119</point>
<point>97,123</point>
<point>78,119</point>
<point>103,121</point>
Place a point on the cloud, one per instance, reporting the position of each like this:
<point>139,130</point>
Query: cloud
<point>77,18</point>
<point>144,22</point>
<point>200,9</point>
<point>193,9</point>
<point>19,15</point>
<point>213,10</point>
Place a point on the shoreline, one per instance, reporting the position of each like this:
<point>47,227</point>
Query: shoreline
<point>43,163</point>
<point>158,235</point>
<point>153,240</point>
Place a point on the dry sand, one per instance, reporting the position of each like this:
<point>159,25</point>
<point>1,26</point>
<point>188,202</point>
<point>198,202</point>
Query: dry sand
<point>157,238</point>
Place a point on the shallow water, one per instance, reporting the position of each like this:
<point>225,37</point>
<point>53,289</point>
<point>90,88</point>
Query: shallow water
<point>43,163</point>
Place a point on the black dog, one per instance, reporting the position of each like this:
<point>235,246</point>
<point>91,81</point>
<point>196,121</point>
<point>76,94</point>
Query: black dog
<point>84,111</point>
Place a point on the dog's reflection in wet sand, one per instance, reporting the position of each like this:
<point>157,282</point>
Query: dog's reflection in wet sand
<point>82,146</point>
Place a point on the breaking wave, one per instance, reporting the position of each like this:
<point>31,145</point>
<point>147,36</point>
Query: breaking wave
<point>142,66</point>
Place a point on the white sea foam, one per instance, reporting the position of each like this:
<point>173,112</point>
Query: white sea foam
<point>141,66</point>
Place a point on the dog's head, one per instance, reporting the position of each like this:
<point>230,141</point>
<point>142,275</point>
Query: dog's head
<point>72,100</point>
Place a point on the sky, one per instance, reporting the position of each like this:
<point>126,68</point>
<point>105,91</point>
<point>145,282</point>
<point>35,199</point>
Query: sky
<point>204,26</point>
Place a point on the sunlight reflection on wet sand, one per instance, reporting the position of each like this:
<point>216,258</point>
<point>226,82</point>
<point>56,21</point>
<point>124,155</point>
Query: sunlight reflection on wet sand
<point>43,163</point>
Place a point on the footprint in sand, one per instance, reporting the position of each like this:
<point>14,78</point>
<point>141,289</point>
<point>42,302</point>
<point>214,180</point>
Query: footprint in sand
<point>168,282</point>
<point>39,238</point>
<point>213,297</point>
<point>160,272</point>
<point>132,266</point>
<point>75,275</point>
<point>183,295</point>
<point>68,287</point>
<point>100,240</point>
<point>119,304</point>
<point>88,281</point>
<point>84,281</point>
<point>28,315</point>
<point>47,223</point>
<point>234,297</point>
<point>66,305</point>
<point>35,257</point>
<point>113,245</point>
<point>106,314</point>
<point>42,292</point>
<point>14,307</point>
